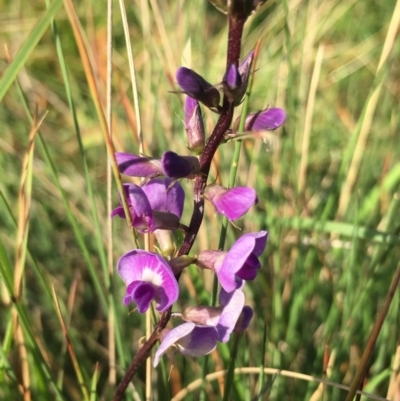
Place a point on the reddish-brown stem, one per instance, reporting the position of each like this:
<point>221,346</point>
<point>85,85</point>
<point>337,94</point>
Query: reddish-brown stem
<point>236,24</point>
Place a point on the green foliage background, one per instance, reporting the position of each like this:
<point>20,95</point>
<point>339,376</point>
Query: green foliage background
<point>328,186</point>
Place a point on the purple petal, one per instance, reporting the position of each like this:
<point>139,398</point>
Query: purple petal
<point>137,166</point>
<point>171,338</point>
<point>165,196</point>
<point>118,211</point>
<point>195,86</point>
<point>269,119</point>
<point>141,212</point>
<point>176,166</point>
<point>150,268</point>
<point>190,339</point>
<point>141,293</point>
<point>201,341</point>
<point>250,269</point>
<point>190,107</point>
<point>237,257</point>
<point>244,319</point>
<point>244,71</point>
<point>233,306</point>
<point>194,126</point>
<point>234,202</point>
<point>232,77</point>
<point>245,66</point>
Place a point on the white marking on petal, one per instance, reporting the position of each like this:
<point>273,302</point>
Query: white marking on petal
<point>152,276</point>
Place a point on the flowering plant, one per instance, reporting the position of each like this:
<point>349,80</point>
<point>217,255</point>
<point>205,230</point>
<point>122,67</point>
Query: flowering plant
<point>156,207</point>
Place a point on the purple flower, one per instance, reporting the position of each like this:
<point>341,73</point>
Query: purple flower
<point>232,79</point>
<point>188,339</point>
<point>176,166</point>
<point>224,318</point>
<point>156,205</point>
<point>240,263</point>
<point>264,120</point>
<point>147,277</point>
<point>195,86</point>
<point>236,78</point>
<point>244,319</point>
<point>138,166</point>
<point>170,165</point>
<point>232,203</point>
<point>194,126</point>
<point>139,207</point>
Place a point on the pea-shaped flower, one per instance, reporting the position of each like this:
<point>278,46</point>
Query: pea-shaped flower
<point>230,315</point>
<point>156,205</point>
<point>233,202</point>
<point>239,263</point>
<point>148,277</point>
<point>188,339</point>
<point>263,120</point>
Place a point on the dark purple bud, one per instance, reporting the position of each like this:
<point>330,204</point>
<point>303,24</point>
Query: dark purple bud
<point>232,77</point>
<point>231,84</point>
<point>244,71</point>
<point>194,126</point>
<point>195,86</point>
<point>175,166</point>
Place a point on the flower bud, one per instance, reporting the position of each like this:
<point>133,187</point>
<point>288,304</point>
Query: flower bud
<point>194,126</point>
<point>195,86</point>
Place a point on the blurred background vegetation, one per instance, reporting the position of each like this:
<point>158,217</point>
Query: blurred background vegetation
<point>328,186</point>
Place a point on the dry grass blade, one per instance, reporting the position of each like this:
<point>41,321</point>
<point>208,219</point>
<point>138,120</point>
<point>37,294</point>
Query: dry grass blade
<point>24,202</point>
<point>359,151</point>
<point>270,371</point>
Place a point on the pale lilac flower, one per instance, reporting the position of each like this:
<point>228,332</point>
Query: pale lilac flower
<point>233,202</point>
<point>195,86</point>
<point>194,126</point>
<point>188,339</point>
<point>239,263</point>
<point>156,205</point>
<point>147,277</point>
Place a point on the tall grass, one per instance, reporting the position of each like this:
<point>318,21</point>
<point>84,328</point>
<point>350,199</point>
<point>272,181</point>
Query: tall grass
<point>328,186</point>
